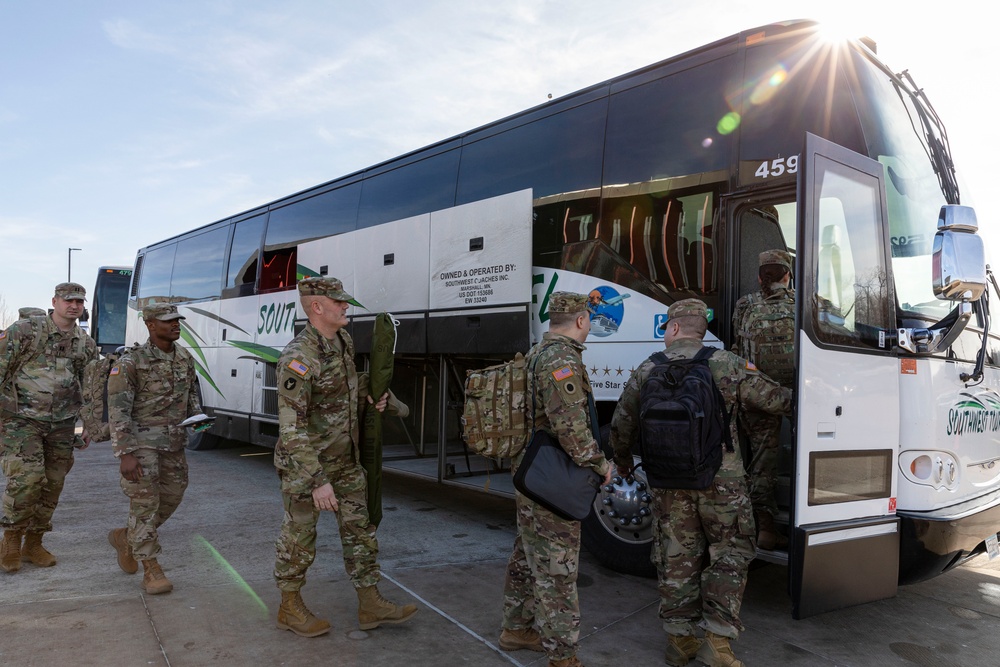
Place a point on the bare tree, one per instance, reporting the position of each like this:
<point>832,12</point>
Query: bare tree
<point>6,317</point>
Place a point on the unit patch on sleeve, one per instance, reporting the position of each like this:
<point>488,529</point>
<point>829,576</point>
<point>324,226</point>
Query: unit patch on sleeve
<point>297,366</point>
<point>290,383</point>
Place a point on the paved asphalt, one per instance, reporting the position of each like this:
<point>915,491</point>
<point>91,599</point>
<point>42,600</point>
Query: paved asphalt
<point>441,547</point>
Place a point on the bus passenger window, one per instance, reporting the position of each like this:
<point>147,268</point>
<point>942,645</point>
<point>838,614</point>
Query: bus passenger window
<point>278,270</point>
<point>243,253</point>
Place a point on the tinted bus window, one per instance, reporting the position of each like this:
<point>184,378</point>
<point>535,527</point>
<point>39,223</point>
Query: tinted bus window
<point>558,154</point>
<point>242,272</point>
<point>198,266</point>
<point>427,185</point>
<point>671,127</point>
<point>325,214</point>
<point>157,266</point>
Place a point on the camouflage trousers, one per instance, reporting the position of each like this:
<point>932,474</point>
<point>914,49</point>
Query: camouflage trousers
<point>763,430</point>
<point>703,542</point>
<point>296,545</point>
<point>154,498</point>
<point>540,587</point>
<point>36,457</point>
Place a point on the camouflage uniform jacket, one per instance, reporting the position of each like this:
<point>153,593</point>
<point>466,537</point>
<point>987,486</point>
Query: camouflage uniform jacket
<point>150,392</point>
<point>48,386</point>
<point>318,407</point>
<point>561,387</point>
<point>744,307</point>
<point>737,380</point>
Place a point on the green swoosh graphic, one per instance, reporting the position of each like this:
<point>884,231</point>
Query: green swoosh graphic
<point>202,371</point>
<point>262,352</point>
<point>304,272</point>
<point>195,347</point>
<point>222,320</point>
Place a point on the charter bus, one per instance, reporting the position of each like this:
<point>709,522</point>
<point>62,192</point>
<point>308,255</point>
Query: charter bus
<point>661,184</point>
<point>109,307</point>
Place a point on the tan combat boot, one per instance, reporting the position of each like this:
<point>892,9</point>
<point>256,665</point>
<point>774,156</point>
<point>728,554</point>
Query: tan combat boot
<point>153,579</point>
<point>716,652</point>
<point>10,550</point>
<point>768,537</point>
<point>295,616</point>
<point>34,551</point>
<point>374,610</point>
<point>118,539</point>
<point>525,638</point>
<point>680,649</point>
<point>566,662</point>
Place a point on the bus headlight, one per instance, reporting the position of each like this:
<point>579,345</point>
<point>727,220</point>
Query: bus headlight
<point>937,469</point>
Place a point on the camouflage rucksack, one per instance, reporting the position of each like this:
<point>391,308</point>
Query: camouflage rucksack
<point>495,419</point>
<point>94,411</point>
<point>28,351</point>
<point>767,337</point>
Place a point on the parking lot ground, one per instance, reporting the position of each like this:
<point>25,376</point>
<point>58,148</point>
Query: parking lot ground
<point>441,547</point>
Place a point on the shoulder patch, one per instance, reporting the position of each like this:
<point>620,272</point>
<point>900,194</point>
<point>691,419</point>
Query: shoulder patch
<point>562,373</point>
<point>115,370</point>
<point>750,366</point>
<point>298,367</point>
<point>3,334</point>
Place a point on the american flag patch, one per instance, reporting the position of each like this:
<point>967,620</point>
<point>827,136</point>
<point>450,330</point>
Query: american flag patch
<point>297,366</point>
<point>750,366</point>
<point>3,334</point>
<point>562,373</point>
<point>114,370</point>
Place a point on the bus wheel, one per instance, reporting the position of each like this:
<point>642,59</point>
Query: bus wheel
<point>619,530</point>
<point>203,441</point>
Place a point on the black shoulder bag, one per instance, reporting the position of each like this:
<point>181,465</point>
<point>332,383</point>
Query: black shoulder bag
<point>548,476</point>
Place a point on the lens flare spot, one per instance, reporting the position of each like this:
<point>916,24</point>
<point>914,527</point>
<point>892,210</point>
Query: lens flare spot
<point>728,123</point>
<point>224,565</point>
<point>707,142</point>
<point>769,85</point>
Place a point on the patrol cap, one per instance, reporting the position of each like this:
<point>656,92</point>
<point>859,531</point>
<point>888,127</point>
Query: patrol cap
<point>164,312</point>
<point>328,287</point>
<point>685,308</point>
<point>569,302</point>
<point>71,291</point>
<point>779,257</point>
<point>23,313</point>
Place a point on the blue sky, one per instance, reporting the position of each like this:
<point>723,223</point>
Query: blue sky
<point>123,123</point>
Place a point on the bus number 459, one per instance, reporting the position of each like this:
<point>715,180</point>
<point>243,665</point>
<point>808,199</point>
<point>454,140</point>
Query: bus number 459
<point>778,166</point>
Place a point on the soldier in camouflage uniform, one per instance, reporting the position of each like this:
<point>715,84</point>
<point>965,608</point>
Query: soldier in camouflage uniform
<point>318,461</point>
<point>540,587</point>
<point>764,323</point>
<point>42,359</point>
<point>151,390</point>
<point>703,540</point>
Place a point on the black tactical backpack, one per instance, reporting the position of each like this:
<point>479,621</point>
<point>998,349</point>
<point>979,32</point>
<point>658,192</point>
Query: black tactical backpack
<point>683,423</point>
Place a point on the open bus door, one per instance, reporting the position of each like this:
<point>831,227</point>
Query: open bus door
<point>844,547</point>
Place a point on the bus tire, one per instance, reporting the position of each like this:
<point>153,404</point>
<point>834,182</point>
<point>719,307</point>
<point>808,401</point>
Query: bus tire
<point>200,442</point>
<point>627,556</point>
<point>624,549</point>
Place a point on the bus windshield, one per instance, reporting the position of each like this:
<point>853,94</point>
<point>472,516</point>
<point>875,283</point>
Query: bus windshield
<point>894,136</point>
<point>110,307</point>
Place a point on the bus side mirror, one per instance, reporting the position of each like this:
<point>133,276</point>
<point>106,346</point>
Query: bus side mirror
<point>959,260</point>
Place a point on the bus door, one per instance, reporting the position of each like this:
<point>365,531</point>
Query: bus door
<point>844,547</point>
